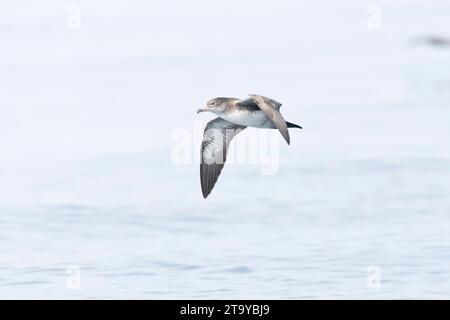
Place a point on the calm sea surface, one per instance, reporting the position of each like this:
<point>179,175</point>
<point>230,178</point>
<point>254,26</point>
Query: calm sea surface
<point>93,204</point>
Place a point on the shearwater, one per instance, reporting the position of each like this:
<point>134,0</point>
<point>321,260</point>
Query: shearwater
<point>234,115</point>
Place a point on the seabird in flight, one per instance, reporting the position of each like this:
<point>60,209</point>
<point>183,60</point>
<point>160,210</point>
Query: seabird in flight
<point>234,115</point>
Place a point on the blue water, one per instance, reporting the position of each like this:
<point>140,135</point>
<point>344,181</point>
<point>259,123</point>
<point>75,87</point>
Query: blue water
<point>92,204</point>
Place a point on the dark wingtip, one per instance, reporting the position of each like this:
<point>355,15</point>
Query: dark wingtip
<point>293,125</point>
<point>205,192</point>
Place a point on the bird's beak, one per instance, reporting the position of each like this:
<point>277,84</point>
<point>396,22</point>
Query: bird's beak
<point>201,110</point>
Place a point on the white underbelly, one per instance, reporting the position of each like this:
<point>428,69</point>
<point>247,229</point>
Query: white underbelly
<point>257,119</point>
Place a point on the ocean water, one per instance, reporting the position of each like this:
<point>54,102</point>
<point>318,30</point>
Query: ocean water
<point>93,204</point>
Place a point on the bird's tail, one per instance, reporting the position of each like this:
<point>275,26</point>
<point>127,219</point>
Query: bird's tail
<point>293,125</point>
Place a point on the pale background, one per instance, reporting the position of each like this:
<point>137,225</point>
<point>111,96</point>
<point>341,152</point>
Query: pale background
<point>87,182</point>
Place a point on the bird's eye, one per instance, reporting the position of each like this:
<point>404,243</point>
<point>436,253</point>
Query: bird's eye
<point>213,104</point>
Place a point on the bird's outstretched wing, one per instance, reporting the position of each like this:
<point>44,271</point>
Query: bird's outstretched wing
<point>271,109</point>
<point>216,139</point>
<point>251,103</point>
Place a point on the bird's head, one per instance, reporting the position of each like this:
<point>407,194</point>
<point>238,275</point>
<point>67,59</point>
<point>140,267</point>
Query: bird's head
<point>216,105</point>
